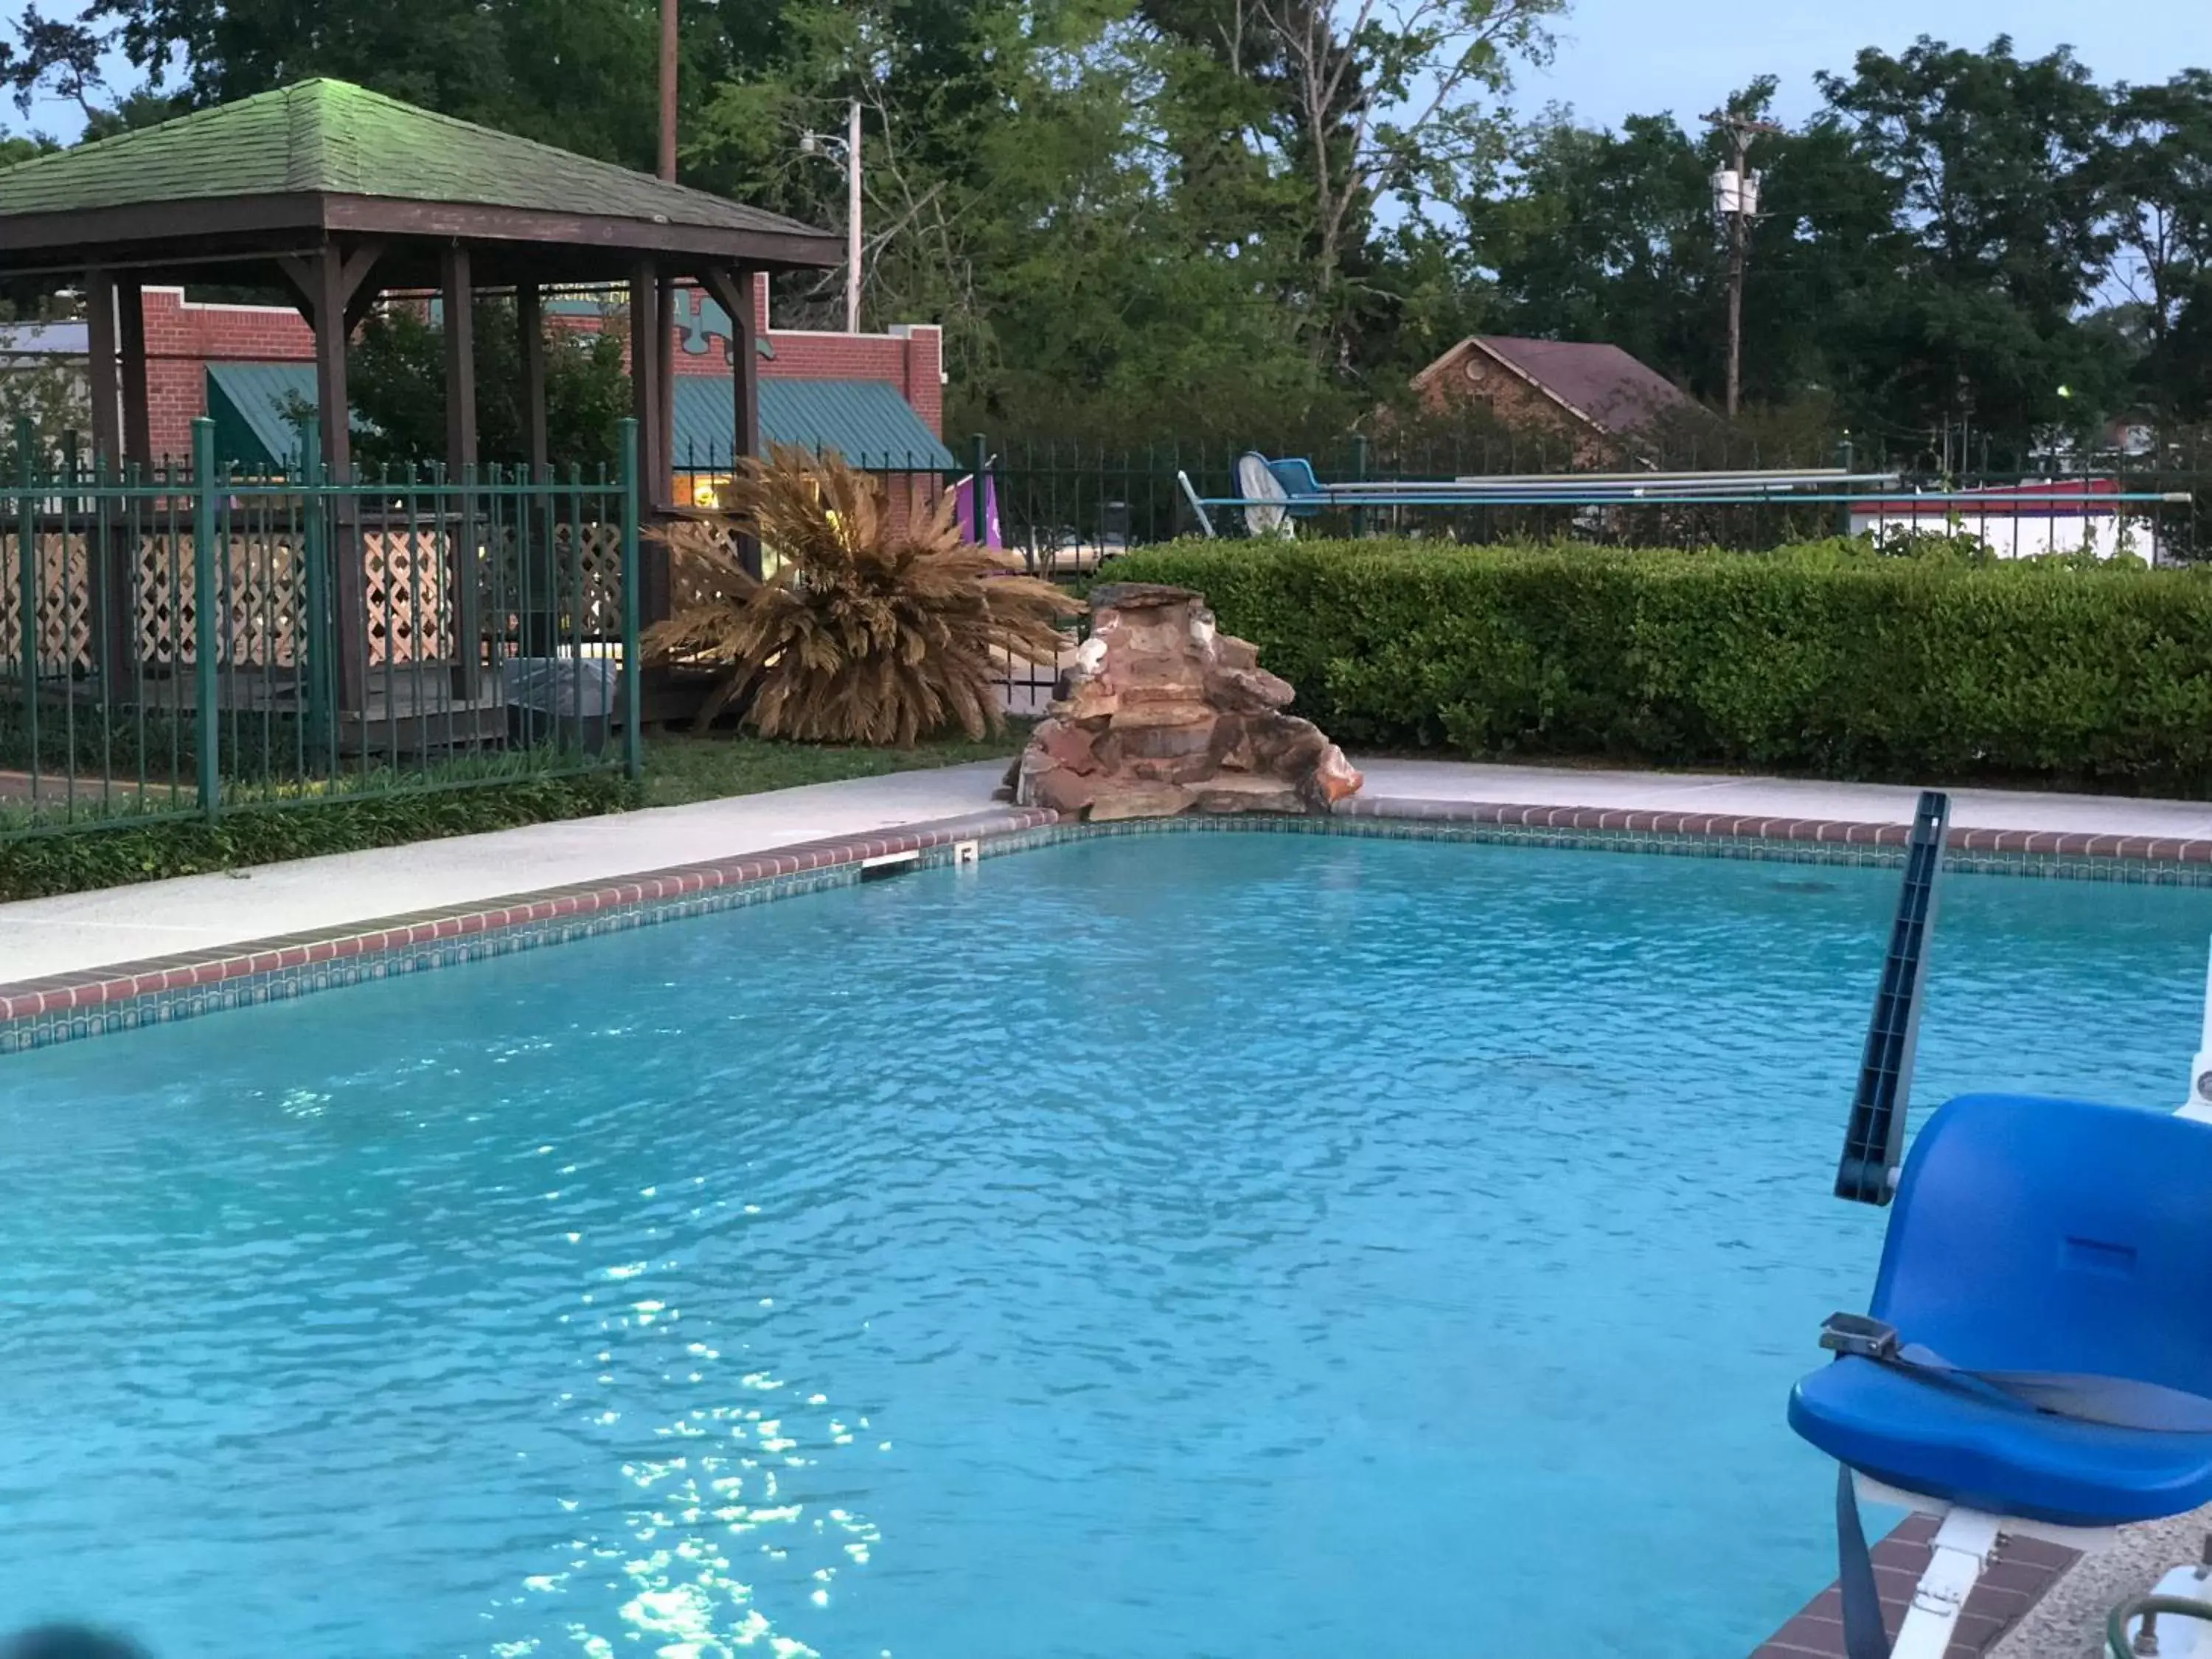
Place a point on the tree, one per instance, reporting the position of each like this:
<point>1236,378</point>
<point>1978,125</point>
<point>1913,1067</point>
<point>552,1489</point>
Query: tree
<point>2160,179</point>
<point>1608,236</point>
<point>50,394</point>
<point>1382,97</point>
<point>1317,112</point>
<point>579,73</point>
<point>1024,190</point>
<point>396,380</point>
<point>2007,213</point>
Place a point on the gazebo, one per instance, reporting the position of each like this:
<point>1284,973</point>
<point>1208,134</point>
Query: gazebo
<point>341,196</point>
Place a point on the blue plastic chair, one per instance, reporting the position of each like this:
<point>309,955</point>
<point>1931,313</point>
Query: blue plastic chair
<point>2036,1235</point>
<point>1296,474</point>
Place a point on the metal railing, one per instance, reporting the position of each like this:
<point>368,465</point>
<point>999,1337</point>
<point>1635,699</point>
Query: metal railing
<point>1063,509</point>
<point>190,641</point>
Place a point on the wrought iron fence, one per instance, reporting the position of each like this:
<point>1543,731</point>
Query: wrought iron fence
<point>1064,509</point>
<point>190,640</point>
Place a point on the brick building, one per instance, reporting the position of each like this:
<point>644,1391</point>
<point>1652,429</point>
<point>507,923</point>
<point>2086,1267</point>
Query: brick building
<point>878,398</point>
<point>1597,397</point>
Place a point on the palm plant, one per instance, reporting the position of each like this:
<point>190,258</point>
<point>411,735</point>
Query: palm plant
<point>865,633</point>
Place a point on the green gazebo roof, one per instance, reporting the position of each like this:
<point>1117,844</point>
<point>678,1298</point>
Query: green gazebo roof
<point>375,166</point>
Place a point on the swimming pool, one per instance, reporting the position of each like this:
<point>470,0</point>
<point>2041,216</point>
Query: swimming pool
<point>1187,1244</point>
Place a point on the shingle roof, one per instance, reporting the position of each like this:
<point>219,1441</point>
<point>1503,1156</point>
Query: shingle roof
<point>1614,391</point>
<point>336,138</point>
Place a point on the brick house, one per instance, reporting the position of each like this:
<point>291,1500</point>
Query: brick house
<point>1596,395</point>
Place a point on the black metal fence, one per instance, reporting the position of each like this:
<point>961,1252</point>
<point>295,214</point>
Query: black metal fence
<point>192,641</point>
<point>1063,509</point>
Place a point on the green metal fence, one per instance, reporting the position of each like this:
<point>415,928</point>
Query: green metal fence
<point>191,641</point>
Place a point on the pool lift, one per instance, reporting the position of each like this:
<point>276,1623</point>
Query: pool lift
<point>2036,1357</point>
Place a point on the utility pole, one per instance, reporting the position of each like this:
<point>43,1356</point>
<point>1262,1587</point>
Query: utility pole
<point>1736,197</point>
<point>853,220</point>
<point>668,89</point>
<point>816,144</point>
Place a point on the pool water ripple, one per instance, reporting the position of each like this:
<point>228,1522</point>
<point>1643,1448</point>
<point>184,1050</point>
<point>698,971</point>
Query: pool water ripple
<point>1211,1245</point>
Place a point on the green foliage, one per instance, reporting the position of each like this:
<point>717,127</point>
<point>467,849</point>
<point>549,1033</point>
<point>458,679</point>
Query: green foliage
<point>396,376</point>
<point>685,767</point>
<point>49,394</point>
<point>124,852</point>
<point>1828,658</point>
<point>1230,221</point>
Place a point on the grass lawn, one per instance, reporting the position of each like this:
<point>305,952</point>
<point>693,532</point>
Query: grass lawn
<point>681,767</point>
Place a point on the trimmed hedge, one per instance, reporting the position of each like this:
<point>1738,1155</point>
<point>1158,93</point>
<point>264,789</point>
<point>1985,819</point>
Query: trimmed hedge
<point>112,854</point>
<point>1827,659</point>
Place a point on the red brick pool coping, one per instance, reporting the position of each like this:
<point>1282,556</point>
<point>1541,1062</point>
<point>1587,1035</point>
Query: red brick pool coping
<point>99,987</point>
<point>2017,1577</point>
<point>2041,843</point>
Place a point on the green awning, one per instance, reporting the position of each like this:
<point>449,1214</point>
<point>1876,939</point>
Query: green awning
<point>865,420</point>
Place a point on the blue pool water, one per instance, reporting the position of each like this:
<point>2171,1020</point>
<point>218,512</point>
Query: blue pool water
<point>1191,1245</point>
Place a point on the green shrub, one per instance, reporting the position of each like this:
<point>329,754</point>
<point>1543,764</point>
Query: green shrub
<point>38,865</point>
<point>1829,659</point>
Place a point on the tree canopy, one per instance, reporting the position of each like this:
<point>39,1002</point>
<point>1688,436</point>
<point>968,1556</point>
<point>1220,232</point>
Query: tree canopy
<point>1145,218</point>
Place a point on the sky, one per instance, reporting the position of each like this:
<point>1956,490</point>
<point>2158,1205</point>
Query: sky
<point>1620,57</point>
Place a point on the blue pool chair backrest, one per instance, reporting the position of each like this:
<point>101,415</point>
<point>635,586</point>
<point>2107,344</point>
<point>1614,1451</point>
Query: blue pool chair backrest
<point>1296,474</point>
<point>2056,1236</point>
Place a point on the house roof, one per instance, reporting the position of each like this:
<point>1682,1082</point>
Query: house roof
<point>1599,384</point>
<point>333,156</point>
<point>865,420</point>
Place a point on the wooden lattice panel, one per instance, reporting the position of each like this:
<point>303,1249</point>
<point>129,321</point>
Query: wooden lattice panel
<point>266,598</point>
<point>61,606</point>
<point>405,572</point>
<point>585,580</point>
<point>266,589</point>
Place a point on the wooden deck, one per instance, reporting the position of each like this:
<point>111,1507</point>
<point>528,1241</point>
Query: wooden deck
<point>410,710</point>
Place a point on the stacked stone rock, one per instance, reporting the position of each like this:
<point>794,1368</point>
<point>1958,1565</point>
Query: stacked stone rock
<point>1163,715</point>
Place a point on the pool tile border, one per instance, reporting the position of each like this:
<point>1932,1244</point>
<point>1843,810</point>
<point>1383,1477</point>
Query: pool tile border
<point>36,1013</point>
<point>39,1012</point>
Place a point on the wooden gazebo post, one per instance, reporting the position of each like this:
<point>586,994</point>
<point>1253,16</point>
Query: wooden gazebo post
<point>732,288</point>
<point>461,573</point>
<point>110,592</point>
<point>333,299</point>
<point>536,567</point>
<point>646,325</point>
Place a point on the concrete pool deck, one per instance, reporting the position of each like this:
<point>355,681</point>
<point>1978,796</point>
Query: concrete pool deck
<point>43,938</point>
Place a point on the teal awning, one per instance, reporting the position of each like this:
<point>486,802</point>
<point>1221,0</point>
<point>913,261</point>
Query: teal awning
<point>253,405</point>
<point>866,422</point>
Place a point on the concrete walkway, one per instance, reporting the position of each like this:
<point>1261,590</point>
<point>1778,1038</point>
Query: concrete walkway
<point>43,937</point>
<point>1751,797</point>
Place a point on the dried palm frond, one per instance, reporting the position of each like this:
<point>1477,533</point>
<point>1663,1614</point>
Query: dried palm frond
<point>863,634</point>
